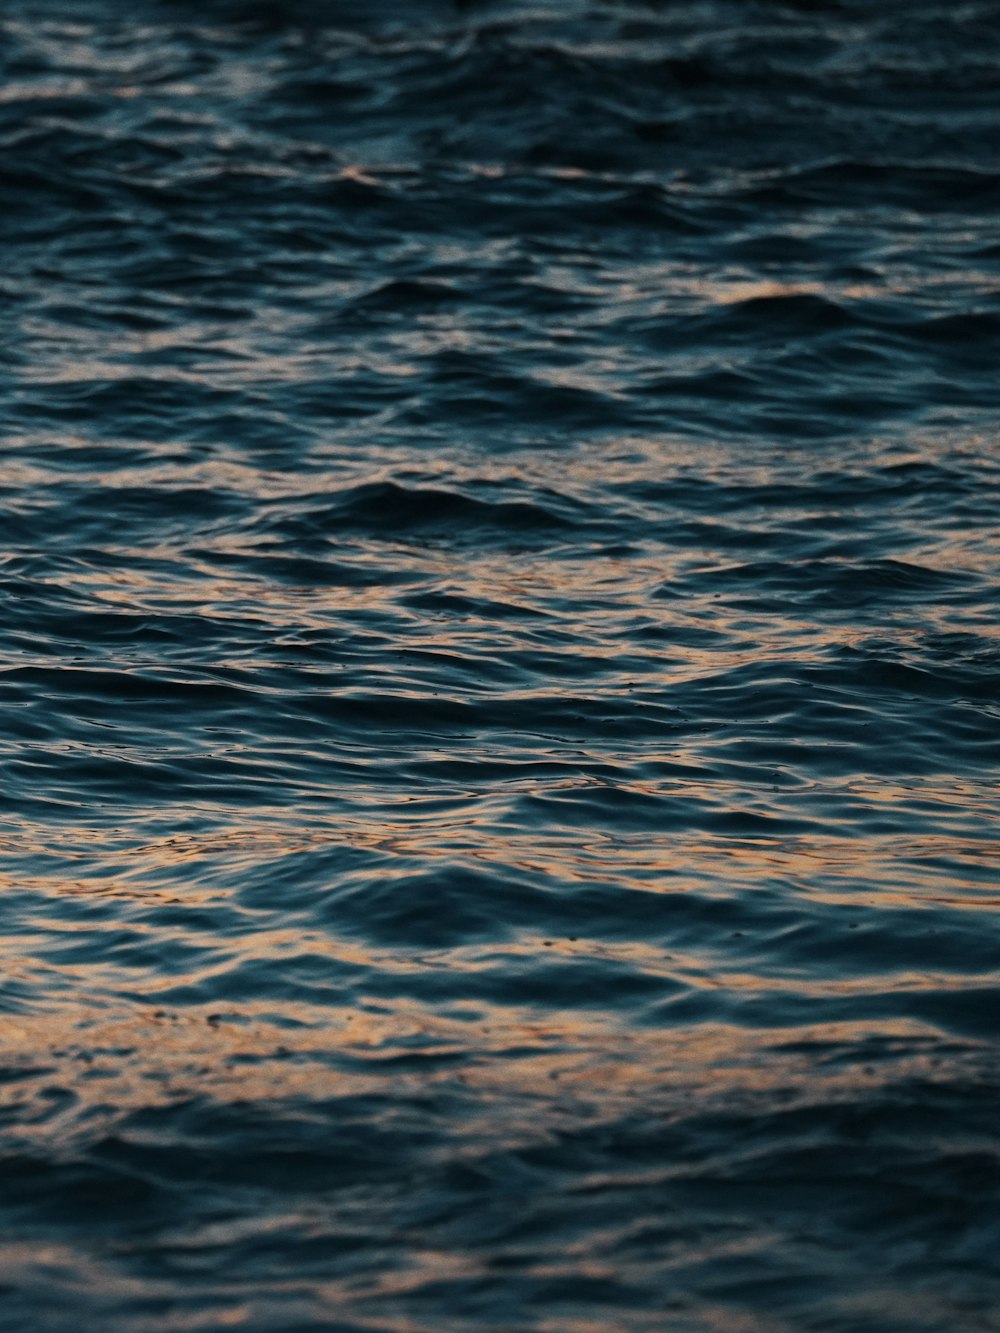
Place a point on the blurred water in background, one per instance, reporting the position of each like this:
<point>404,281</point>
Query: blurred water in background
<point>500,688</point>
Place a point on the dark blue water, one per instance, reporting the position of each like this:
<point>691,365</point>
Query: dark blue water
<point>500,691</point>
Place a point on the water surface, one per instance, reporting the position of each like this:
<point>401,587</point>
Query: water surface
<point>500,680</point>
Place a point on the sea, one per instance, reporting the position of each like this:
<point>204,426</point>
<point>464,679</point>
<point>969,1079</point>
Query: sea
<point>500,666</point>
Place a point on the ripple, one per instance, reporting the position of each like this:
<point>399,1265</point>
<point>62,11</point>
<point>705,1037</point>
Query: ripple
<point>500,674</point>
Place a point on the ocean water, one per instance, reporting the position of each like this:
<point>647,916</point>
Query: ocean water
<point>500,666</point>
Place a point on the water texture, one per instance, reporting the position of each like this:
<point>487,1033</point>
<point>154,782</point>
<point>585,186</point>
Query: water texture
<point>499,666</point>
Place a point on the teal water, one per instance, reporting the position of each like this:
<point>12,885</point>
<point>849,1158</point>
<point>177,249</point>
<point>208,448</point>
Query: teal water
<point>499,667</point>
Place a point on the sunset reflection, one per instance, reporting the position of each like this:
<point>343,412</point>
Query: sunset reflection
<point>499,667</point>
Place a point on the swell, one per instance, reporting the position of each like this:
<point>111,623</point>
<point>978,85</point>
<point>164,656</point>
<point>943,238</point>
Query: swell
<point>498,666</point>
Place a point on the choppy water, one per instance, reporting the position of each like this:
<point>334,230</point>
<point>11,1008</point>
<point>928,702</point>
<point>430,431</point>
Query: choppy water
<point>500,694</point>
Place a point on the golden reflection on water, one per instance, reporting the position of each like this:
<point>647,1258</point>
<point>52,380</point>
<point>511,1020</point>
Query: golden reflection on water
<point>496,1060</point>
<point>113,1052</point>
<point>455,826</point>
